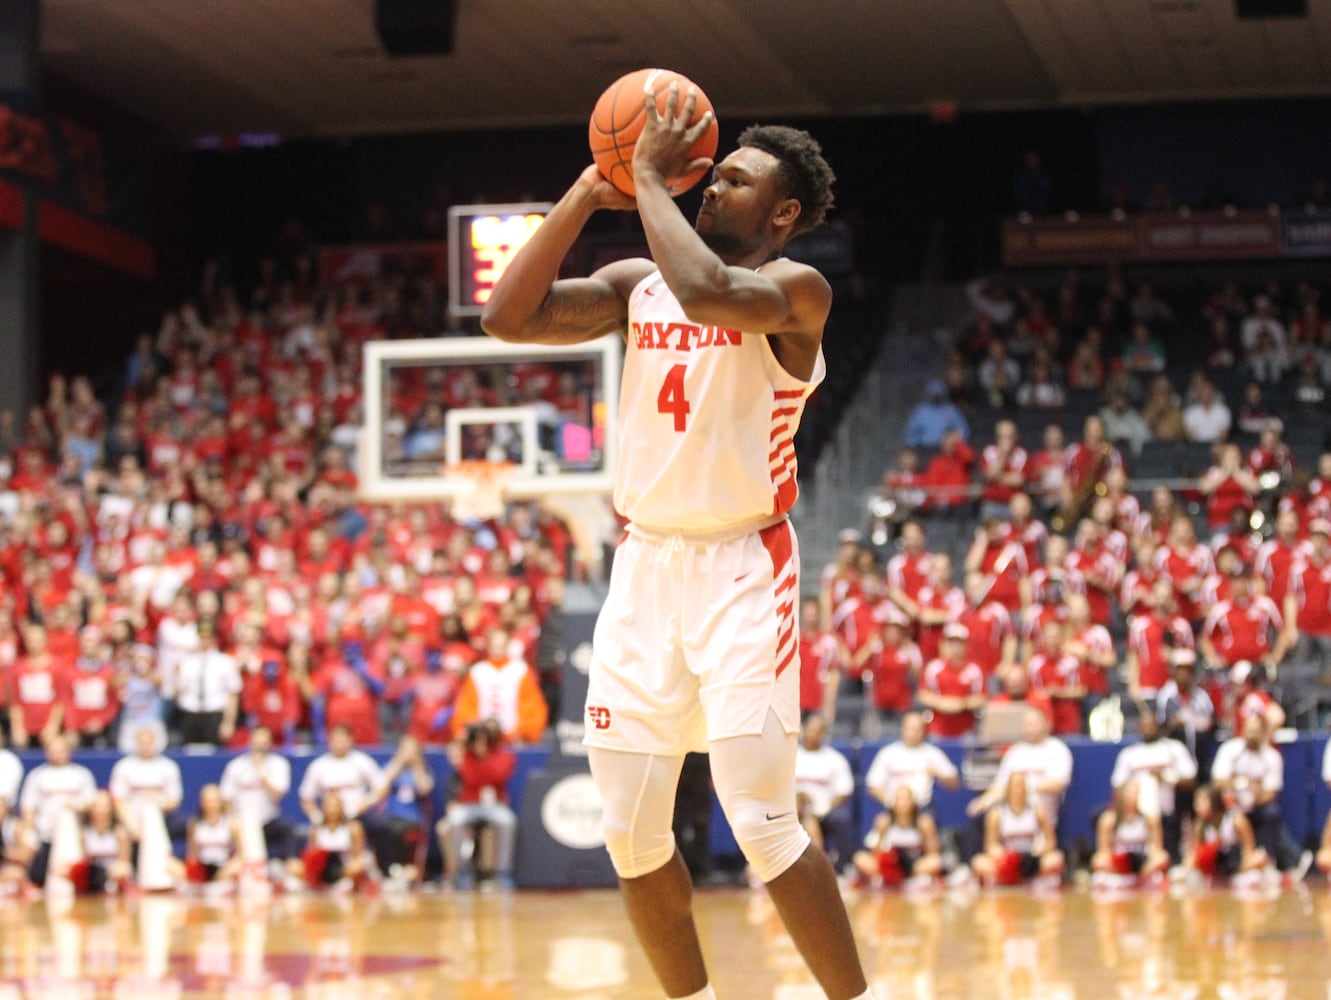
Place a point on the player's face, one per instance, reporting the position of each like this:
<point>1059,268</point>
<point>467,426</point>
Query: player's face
<point>737,204</point>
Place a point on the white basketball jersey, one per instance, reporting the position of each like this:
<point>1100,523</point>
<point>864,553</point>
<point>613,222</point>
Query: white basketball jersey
<point>707,420</point>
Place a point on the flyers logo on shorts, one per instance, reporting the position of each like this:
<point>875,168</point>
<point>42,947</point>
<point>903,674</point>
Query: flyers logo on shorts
<point>598,716</point>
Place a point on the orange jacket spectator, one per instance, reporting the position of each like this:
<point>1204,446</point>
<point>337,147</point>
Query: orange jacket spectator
<point>505,689</point>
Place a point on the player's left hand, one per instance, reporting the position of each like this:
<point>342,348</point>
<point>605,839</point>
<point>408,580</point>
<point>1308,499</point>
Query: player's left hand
<point>663,147</point>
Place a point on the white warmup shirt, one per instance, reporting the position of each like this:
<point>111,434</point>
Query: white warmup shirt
<point>698,397</point>
<point>242,784</point>
<point>355,778</point>
<point>824,776</point>
<point>50,789</point>
<point>1157,767</point>
<point>916,767</point>
<point>1250,771</point>
<point>136,780</point>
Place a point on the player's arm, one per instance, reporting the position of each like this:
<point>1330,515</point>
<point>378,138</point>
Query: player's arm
<point>529,305</point>
<point>785,298</point>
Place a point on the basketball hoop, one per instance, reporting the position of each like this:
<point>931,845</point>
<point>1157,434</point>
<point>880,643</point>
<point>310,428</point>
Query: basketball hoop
<point>480,488</point>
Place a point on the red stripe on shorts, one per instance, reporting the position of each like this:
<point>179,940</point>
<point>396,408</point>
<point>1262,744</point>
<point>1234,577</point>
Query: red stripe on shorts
<point>778,541</point>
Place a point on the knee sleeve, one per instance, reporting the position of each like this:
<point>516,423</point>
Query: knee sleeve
<point>755,781</point>
<point>638,808</point>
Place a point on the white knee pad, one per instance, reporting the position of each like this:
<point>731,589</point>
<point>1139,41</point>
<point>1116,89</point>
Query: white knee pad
<point>638,808</point>
<point>755,781</point>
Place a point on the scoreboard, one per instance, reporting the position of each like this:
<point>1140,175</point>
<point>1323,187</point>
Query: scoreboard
<point>482,240</point>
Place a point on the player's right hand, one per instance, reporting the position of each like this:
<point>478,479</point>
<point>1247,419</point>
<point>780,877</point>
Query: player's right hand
<point>603,193</point>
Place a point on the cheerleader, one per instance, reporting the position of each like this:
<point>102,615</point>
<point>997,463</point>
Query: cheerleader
<point>335,856</point>
<point>106,866</point>
<point>1223,845</point>
<point>1019,844</point>
<point>1129,845</point>
<point>211,839</point>
<point>902,847</point>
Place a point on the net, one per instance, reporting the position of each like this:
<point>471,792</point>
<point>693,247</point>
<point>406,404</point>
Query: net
<point>480,488</point>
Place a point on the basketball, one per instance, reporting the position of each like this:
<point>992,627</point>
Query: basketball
<point>618,119</point>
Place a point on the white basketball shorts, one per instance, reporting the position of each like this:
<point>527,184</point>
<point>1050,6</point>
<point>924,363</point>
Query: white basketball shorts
<point>696,641</point>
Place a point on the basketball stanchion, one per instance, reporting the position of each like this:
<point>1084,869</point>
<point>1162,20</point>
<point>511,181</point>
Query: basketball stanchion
<point>154,872</point>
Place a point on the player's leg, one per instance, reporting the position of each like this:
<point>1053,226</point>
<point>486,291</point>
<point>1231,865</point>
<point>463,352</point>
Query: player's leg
<point>638,797</point>
<point>755,781</point>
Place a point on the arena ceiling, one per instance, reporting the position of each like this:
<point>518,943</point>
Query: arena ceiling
<point>314,67</point>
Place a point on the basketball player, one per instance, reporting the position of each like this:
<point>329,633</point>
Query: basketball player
<point>696,645</point>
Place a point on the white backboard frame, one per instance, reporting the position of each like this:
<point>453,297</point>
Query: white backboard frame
<point>376,487</point>
<point>523,416</point>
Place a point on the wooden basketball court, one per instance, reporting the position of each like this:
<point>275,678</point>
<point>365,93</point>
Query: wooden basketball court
<point>577,945</point>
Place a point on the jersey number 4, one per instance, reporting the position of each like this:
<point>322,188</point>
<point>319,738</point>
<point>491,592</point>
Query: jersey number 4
<point>671,398</point>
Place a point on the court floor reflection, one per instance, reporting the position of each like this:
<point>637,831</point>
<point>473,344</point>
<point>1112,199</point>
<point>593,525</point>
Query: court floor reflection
<point>577,945</point>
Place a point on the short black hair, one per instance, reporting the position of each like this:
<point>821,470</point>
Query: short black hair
<point>805,174</point>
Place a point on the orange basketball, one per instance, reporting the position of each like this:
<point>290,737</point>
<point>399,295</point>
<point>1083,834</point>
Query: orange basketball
<point>620,114</point>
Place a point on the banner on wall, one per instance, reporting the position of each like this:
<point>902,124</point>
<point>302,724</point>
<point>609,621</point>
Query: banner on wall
<point>1306,234</point>
<point>1056,241</point>
<point>1183,236</point>
<point>54,156</point>
<point>1210,236</point>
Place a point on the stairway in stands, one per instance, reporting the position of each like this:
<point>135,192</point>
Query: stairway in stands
<point>836,491</point>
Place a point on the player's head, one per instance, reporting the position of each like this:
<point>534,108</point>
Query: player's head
<point>57,750</point>
<point>210,801</point>
<point>261,740</point>
<point>1254,731</point>
<point>815,732</point>
<point>340,741</point>
<point>1148,725</point>
<point>912,729</point>
<point>783,187</point>
<point>145,742</point>
<point>1034,726</point>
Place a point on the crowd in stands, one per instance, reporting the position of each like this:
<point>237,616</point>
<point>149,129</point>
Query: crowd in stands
<point>186,562</point>
<point>197,559</point>
<point>1172,563</point>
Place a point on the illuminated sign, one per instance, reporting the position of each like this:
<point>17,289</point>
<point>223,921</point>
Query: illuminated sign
<point>482,241</point>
